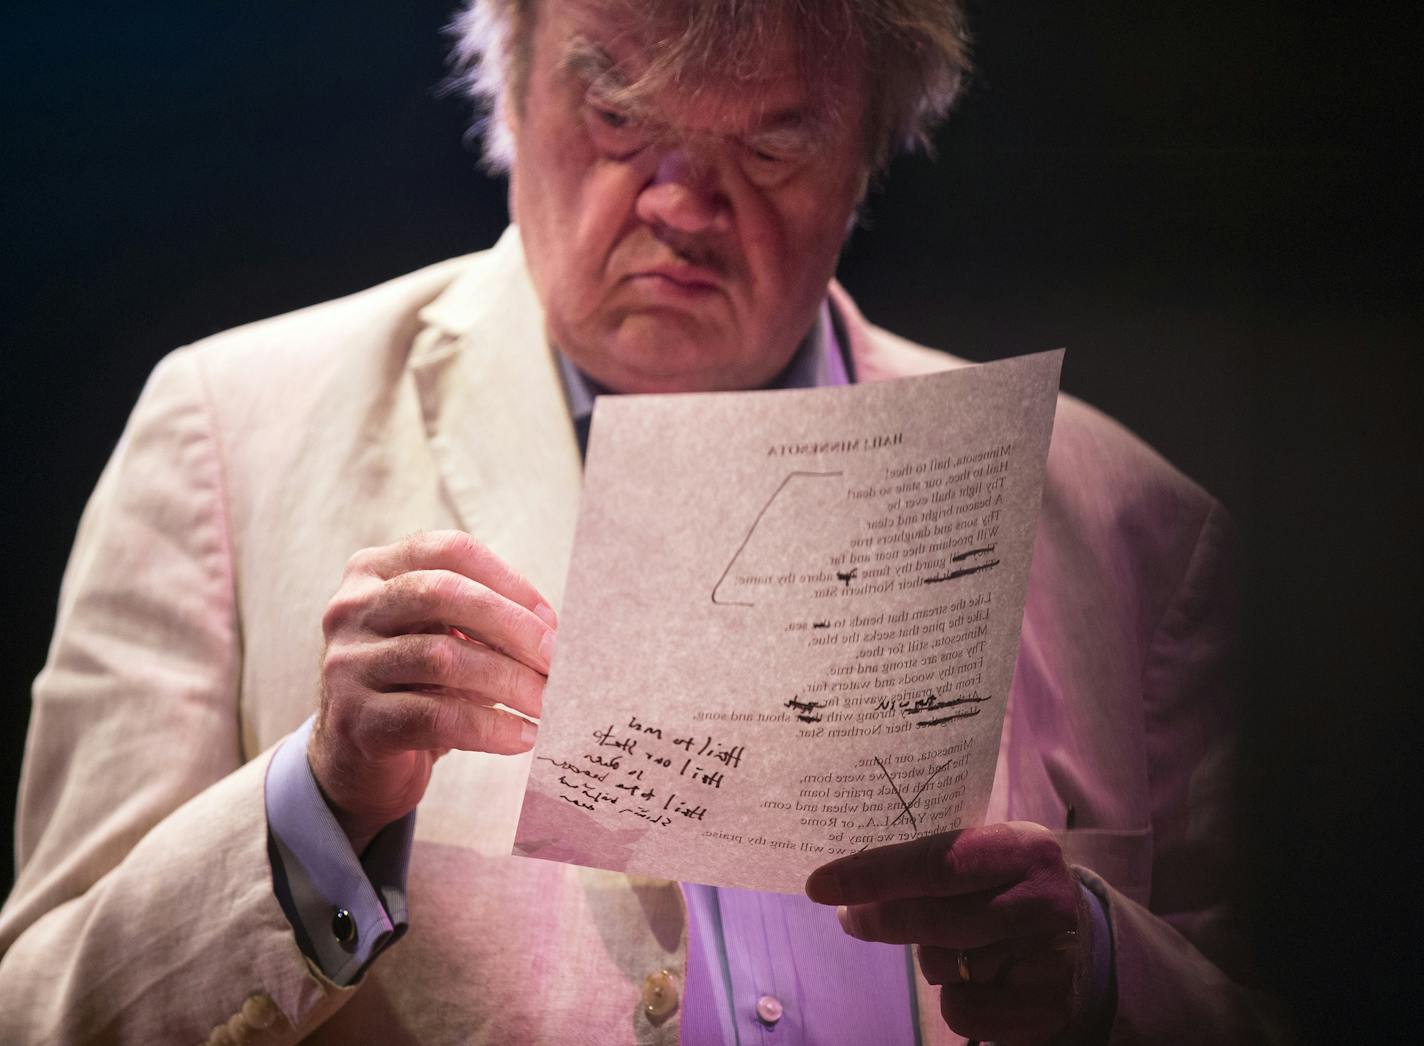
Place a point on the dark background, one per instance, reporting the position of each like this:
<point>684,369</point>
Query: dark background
<point>1207,206</point>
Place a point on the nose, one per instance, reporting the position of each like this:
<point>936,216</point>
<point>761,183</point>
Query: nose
<point>683,194</point>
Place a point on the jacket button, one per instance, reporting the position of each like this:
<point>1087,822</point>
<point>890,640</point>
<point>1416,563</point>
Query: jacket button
<point>259,1011</point>
<point>659,995</point>
<point>343,927</point>
<point>239,1032</point>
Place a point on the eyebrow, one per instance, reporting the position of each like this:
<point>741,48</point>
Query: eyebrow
<point>797,127</point>
<point>584,60</point>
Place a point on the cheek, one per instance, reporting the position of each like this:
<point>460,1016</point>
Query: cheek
<point>602,211</point>
<point>798,251</point>
<point>795,236</point>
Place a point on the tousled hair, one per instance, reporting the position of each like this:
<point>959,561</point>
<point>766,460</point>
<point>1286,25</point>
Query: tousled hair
<point>914,53</point>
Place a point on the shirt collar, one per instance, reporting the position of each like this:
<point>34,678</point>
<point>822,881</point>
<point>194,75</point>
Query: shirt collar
<point>819,361</point>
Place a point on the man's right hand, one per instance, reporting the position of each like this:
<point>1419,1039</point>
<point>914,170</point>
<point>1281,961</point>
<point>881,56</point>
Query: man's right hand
<point>423,639</point>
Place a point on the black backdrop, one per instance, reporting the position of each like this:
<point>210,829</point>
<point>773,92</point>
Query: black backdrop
<point>1206,206</point>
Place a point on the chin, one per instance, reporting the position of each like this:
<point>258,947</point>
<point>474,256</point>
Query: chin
<point>664,357</point>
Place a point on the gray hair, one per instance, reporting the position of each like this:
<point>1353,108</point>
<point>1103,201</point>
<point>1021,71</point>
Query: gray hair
<point>915,57</point>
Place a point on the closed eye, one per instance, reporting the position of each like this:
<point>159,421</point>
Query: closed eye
<point>772,162</point>
<point>615,132</point>
<point>612,117</point>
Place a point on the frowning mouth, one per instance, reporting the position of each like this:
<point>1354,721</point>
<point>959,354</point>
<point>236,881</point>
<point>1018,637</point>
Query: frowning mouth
<point>680,276</point>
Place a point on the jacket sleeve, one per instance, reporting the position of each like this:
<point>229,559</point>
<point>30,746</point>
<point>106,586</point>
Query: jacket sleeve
<point>143,909</point>
<point>1176,963</point>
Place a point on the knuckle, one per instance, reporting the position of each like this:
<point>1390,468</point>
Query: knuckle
<point>336,712</point>
<point>443,720</point>
<point>339,613</point>
<point>447,589</point>
<point>431,659</point>
<point>941,864</point>
<point>531,688</point>
<point>452,543</point>
<point>338,662</point>
<point>1043,849</point>
<point>482,731</point>
<point>521,623</point>
<point>397,728</point>
<point>349,605</point>
<point>507,678</point>
<point>399,590</point>
<point>362,561</point>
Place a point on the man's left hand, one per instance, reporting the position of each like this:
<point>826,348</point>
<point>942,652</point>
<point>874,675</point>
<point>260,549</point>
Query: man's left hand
<point>998,904</point>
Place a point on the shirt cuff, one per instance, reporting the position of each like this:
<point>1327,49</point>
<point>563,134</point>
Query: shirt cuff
<point>1097,1000</point>
<point>318,876</point>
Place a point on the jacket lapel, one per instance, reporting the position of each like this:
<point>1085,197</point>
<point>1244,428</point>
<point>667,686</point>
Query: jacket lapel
<point>495,417</point>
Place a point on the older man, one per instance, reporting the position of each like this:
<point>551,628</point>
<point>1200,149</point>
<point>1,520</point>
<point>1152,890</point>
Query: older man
<point>682,176</point>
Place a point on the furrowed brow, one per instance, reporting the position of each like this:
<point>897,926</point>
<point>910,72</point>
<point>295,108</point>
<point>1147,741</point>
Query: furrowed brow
<point>792,130</point>
<point>586,61</point>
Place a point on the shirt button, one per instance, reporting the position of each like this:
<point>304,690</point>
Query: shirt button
<point>659,995</point>
<point>343,927</point>
<point>769,1009</point>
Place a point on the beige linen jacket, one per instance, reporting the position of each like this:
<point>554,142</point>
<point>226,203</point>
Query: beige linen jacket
<point>188,644</point>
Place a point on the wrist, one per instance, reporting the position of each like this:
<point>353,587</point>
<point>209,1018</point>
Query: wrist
<point>361,822</point>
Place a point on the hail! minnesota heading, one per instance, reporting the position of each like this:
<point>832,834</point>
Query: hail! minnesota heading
<point>836,446</point>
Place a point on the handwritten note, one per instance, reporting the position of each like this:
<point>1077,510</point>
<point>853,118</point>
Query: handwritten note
<point>790,623</point>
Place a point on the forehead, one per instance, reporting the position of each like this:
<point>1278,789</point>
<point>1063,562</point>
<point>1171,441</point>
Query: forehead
<point>717,72</point>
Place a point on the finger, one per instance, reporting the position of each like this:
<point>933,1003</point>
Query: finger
<point>994,1014</point>
<point>1028,962</point>
<point>1029,908</point>
<point>941,865</point>
<point>472,672</point>
<point>412,721</point>
<point>939,965</point>
<point>1042,968</point>
<point>420,600</point>
<point>456,551</point>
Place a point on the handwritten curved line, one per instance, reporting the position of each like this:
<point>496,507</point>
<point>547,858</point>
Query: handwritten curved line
<point>755,523</point>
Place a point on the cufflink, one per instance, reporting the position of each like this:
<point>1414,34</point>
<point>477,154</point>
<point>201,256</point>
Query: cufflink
<point>343,927</point>
<point>659,996</point>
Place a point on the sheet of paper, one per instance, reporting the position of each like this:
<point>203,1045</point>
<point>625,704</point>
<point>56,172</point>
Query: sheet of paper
<point>790,623</point>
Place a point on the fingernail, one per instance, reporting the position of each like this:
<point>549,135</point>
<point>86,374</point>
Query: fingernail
<point>528,732</point>
<point>546,648</point>
<point>843,917</point>
<point>545,613</point>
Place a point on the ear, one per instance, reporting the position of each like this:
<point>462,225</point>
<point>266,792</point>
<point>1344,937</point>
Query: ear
<point>509,132</point>
<point>508,114</point>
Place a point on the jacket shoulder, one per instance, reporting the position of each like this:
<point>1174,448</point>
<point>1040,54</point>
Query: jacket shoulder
<point>1092,455</point>
<point>1113,506</point>
<point>334,334</point>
